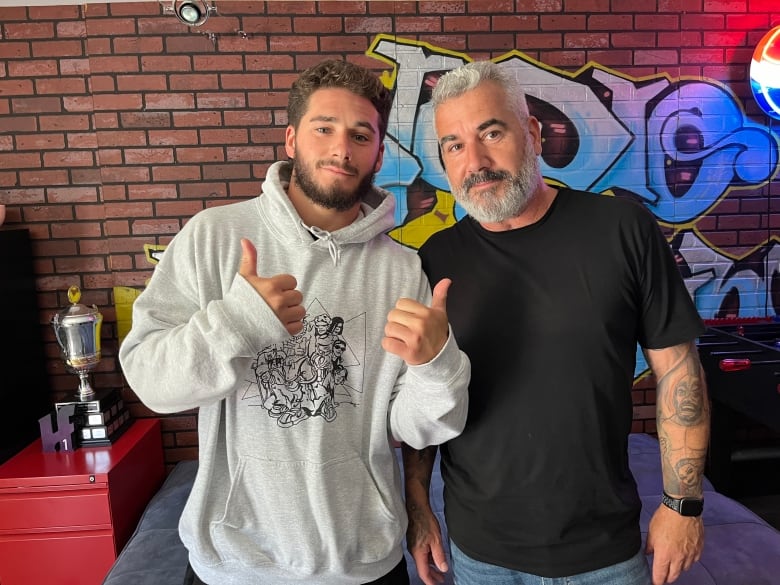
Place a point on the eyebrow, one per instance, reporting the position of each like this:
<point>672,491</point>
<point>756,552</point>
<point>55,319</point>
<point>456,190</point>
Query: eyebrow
<point>484,126</point>
<point>331,119</point>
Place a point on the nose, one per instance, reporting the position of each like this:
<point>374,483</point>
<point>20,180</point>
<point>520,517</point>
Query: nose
<point>342,147</point>
<point>477,160</point>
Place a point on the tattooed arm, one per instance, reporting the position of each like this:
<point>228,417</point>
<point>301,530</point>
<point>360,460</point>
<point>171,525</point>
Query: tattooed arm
<point>423,535</point>
<point>683,423</point>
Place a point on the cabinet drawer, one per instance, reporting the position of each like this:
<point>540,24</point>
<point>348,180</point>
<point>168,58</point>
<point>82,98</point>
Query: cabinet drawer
<point>52,509</point>
<point>74,558</point>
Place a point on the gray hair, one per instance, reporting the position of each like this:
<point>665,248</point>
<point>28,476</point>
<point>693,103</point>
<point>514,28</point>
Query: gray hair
<point>458,81</point>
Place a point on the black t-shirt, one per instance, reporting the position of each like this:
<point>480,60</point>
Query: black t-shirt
<point>550,316</point>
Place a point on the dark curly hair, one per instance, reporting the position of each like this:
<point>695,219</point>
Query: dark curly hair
<point>342,75</point>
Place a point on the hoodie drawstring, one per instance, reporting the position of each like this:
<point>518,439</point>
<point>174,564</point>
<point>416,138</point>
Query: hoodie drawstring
<point>333,247</point>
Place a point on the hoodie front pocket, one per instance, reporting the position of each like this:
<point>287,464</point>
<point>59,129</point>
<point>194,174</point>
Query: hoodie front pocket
<point>310,517</point>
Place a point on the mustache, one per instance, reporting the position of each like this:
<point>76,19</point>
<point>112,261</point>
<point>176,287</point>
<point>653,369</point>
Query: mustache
<point>488,175</point>
<point>344,166</point>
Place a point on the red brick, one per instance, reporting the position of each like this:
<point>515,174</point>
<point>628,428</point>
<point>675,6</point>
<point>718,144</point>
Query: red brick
<point>77,103</point>
<point>633,40</point>
<point>125,174</point>
<point>14,50</point>
<point>367,24</point>
<point>145,119</point>
<point>178,208</point>
<point>267,24</point>
<point>532,6</point>
<point>466,23</point>
<point>138,45</point>
<point>590,6</point>
<point>342,7</point>
<point>224,136</point>
<point>490,6</point>
<point>102,84</point>
<point>172,137</point>
<point>514,23</point>
<point>292,43</point>
<point>118,102</point>
<point>176,173</point>
<point>196,119</point>
<point>194,81</point>
<point>701,55</point>
<point>28,30</point>
<point>202,190</point>
<point>69,159</point>
<point>250,153</point>
<point>155,192</point>
<point>60,86</point>
<point>291,7</point>
<point>342,43</point>
<point>174,101</point>
<point>702,21</point>
<point>151,63</point>
<point>565,22</point>
<point>585,40</point>
<point>422,24</point>
<point>29,179</point>
<point>492,42</point>
<point>200,154</point>
<point>20,124</point>
<point>20,161</point>
<point>37,68</point>
<point>564,59</point>
<point>724,39</point>
<point>679,39</point>
<point>317,25</point>
<point>17,87</point>
<point>657,57</point>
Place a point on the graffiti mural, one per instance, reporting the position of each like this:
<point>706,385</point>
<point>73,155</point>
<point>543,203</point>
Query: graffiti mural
<point>678,146</point>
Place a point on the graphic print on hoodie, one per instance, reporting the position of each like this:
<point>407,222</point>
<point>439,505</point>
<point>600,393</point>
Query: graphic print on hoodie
<point>314,372</point>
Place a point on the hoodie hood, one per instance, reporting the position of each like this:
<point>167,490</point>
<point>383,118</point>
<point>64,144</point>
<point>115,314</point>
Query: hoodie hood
<point>282,219</point>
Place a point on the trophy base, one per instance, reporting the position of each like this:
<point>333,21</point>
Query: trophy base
<point>99,419</point>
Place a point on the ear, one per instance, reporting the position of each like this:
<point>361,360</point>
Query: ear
<point>289,141</point>
<point>535,130</point>
<point>380,157</point>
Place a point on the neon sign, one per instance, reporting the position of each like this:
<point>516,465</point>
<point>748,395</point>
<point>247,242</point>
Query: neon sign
<point>765,73</point>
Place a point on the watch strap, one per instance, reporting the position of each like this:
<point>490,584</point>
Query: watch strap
<point>685,506</point>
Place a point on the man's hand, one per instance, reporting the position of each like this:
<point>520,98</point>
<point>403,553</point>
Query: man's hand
<point>423,540</point>
<point>417,333</point>
<point>278,291</point>
<point>676,543</point>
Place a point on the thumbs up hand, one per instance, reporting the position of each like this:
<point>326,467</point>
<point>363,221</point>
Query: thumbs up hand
<point>417,333</point>
<point>278,291</point>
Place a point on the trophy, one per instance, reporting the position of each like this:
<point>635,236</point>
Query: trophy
<point>99,417</point>
<point>77,329</point>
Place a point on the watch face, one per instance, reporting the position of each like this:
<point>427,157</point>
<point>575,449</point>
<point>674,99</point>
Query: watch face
<point>691,507</point>
<point>684,506</point>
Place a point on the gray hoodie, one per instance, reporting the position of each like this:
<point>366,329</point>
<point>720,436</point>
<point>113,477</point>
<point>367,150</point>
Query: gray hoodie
<point>297,479</point>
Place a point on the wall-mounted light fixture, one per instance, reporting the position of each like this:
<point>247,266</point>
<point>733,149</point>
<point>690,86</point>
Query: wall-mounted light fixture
<point>191,12</point>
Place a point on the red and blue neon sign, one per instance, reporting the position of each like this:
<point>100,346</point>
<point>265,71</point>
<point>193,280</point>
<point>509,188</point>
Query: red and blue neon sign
<point>765,73</point>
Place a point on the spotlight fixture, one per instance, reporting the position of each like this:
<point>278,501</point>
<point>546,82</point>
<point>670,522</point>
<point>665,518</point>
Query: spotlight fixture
<point>192,12</point>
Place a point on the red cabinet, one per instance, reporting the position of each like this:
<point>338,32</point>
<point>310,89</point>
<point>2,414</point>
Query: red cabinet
<point>64,517</point>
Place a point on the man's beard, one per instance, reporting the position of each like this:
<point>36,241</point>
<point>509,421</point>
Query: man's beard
<point>487,206</point>
<point>334,197</point>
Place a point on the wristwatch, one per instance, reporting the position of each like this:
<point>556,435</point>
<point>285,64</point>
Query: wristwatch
<point>684,506</point>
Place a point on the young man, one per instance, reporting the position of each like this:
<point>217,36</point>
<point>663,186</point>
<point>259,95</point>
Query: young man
<point>295,484</point>
<point>554,290</point>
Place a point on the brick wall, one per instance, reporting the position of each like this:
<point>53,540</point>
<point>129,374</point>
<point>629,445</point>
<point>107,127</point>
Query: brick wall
<point>118,123</point>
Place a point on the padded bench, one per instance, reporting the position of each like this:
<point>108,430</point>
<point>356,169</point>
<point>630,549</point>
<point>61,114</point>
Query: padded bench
<point>740,548</point>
